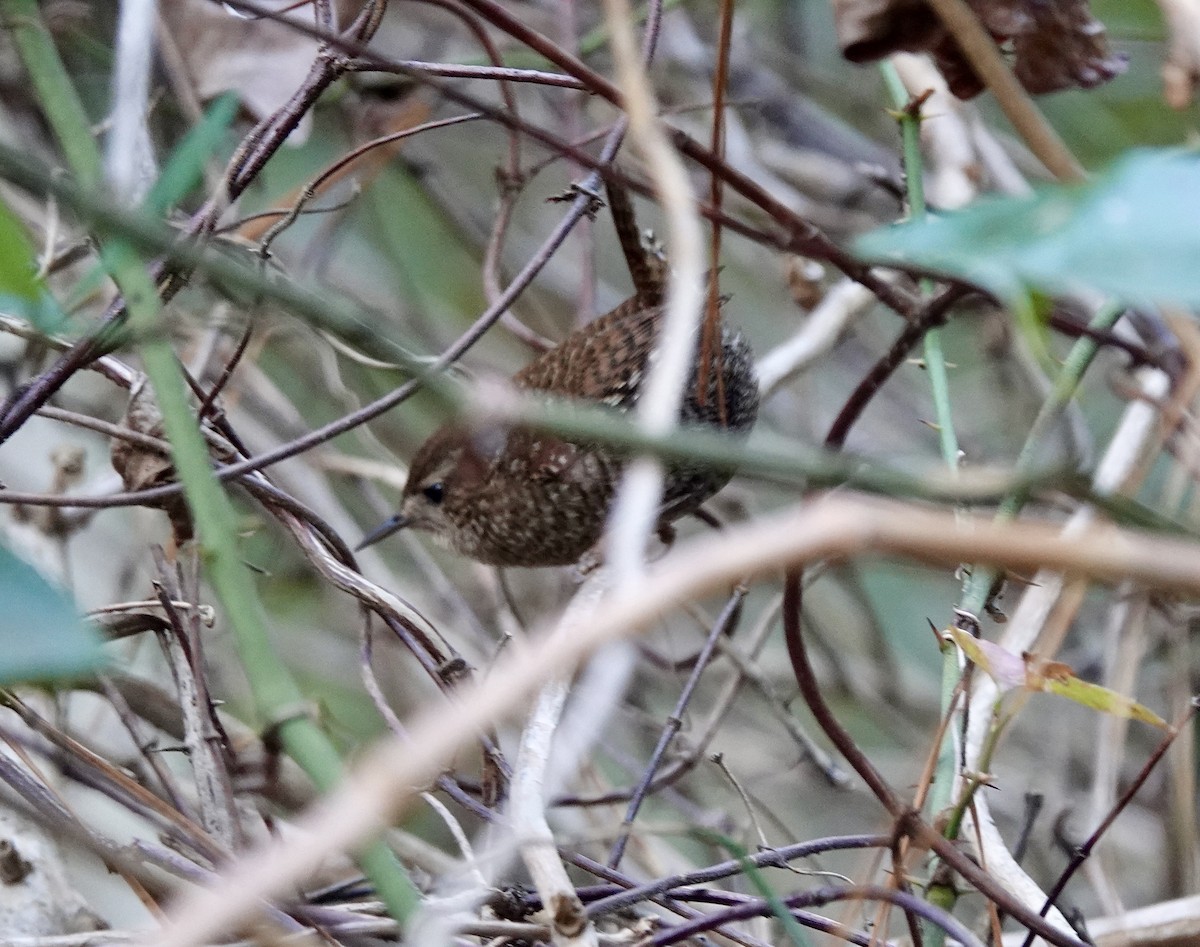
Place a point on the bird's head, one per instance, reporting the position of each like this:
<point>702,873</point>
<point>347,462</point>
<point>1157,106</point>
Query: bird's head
<point>445,472</point>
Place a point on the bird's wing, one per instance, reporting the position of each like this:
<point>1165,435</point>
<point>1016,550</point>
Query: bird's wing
<point>604,362</point>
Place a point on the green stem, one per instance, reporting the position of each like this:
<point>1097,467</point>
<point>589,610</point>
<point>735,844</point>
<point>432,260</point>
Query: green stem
<point>909,117</point>
<point>54,90</point>
<point>279,701</point>
<point>978,585</point>
<point>1077,362</point>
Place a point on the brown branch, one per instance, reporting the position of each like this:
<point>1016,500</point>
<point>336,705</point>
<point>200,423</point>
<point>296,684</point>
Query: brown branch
<point>908,821</point>
<point>1083,852</point>
<point>933,314</point>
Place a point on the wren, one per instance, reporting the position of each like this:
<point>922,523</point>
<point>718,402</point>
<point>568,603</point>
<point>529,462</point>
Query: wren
<point>525,498</point>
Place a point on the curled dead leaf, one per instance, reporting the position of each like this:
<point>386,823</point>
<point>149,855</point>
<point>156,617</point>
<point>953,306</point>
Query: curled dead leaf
<point>139,465</point>
<point>142,466</point>
<point>868,30</point>
<point>805,279</point>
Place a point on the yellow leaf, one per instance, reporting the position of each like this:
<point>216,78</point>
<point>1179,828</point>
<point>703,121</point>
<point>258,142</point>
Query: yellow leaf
<point>1031,673</point>
<point>1103,699</point>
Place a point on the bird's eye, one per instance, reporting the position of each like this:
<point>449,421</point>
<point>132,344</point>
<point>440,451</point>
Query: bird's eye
<point>434,493</point>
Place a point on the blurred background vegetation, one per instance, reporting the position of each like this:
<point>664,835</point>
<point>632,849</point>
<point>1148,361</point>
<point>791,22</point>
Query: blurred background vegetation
<point>402,235</point>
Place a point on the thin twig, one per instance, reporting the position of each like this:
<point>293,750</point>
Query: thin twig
<point>1083,851</point>
<point>723,626</point>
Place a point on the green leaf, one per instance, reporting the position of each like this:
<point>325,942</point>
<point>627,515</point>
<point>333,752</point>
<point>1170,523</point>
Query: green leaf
<point>42,636</point>
<point>185,167</point>
<point>1131,234</point>
<point>1101,698</point>
<point>18,272</point>
<point>782,913</point>
<point>20,289</point>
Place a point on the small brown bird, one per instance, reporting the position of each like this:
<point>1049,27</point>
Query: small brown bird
<point>523,498</point>
<point>530,499</point>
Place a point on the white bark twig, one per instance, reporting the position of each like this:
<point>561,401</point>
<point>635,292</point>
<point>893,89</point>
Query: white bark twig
<point>1169,923</point>
<point>568,921</point>
<point>636,506</point>
<point>1124,641</point>
<point>1125,450</point>
<point>129,158</point>
<point>1181,70</point>
<point>215,798</point>
<point>842,304</point>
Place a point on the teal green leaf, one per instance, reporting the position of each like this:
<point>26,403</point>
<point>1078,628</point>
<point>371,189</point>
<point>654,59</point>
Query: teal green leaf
<point>1131,234</point>
<point>185,167</point>
<point>42,636</point>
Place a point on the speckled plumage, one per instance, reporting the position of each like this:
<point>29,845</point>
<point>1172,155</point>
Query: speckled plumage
<point>521,498</point>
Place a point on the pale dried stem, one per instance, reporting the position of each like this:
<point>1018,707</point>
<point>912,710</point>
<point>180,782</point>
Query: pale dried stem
<point>1168,923</point>
<point>951,172</point>
<point>1124,644</point>
<point>346,579</point>
<point>833,526</point>
<point>537,776</point>
<point>460,838</point>
<point>1181,762</point>
<point>33,821</point>
<point>205,752</point>
<point>534,836</point>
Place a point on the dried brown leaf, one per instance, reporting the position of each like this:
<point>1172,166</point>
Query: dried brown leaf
<point>262,60</point>
<point>140,466</point>
<point>1053,46</point>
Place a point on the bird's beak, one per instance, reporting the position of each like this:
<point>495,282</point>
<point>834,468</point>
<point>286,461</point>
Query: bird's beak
<point>383,530</point>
